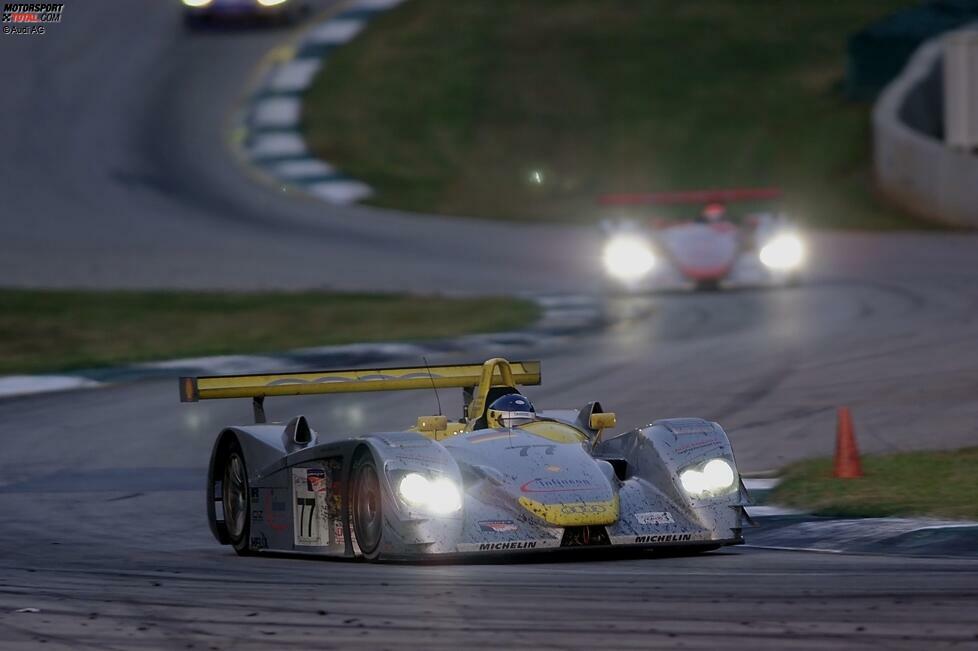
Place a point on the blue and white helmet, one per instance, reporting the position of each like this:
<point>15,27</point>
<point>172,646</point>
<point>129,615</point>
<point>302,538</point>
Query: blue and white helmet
<point>511,410</point>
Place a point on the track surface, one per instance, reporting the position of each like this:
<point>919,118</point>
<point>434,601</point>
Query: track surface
<point>123,180</point>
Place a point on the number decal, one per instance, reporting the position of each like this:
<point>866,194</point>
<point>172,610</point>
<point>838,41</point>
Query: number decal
<point>305,522</point>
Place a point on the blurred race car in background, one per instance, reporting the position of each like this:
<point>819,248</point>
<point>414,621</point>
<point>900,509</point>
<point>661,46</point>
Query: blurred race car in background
<point>712,251</point>
<point>200,12</point>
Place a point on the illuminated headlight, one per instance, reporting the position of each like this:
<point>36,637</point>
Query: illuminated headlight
<point>197,3</point>
<point>440,496</point>
<point>714,477</point>
<point>783,252</point>
<point>628,257</point>
<point>270,3</point>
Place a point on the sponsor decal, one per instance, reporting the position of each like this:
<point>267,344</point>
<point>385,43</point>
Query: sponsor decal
<point>655,517</point>
<point>556,485</point>
<point>657,538</point>
<point>582,509</point>
<point>316,479</point>
<point>553,468</point>
<point>509,545</point>
<point>664,537</point>
<point>273,512</point>
<point>311,506</point>
<point>497,526</point>
<point>501,546</point>
<point>26,18</point>
<point>258,542</point>
<point>339,538</point>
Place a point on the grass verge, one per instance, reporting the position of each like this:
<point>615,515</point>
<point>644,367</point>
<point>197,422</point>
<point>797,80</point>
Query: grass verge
<point>530,110</point>
<point>941,484</point>
<point>64,330</point>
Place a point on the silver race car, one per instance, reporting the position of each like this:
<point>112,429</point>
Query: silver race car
<point>711,251</point>
<point>504,479</point>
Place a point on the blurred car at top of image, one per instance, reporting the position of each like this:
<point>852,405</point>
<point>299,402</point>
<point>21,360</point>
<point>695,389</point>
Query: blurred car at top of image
<point>197,13</point>
<point>712,251</point>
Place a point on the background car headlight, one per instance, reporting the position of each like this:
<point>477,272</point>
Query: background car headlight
<point>783,252</point>
<point>439,496</point>
<point>270,3</point>
<point>628,257</point>
<point>714,477</point>
<point>197,3</point>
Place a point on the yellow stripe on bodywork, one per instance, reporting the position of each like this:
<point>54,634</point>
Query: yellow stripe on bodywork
<point>554,431</point>
<point>574,514</point>
<point>348,381</point>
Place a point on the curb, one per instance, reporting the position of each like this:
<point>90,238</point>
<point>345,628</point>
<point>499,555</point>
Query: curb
<point>788,529</point>
<point>563,316</point>
<point>269,135</point>
<point>889,536</point>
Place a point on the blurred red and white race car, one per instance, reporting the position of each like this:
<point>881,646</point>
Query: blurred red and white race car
<point>197,13</point>
<point>712,251</point>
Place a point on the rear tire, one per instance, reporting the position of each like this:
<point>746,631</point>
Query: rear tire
<point>367,506</point>
<point>236,498</point>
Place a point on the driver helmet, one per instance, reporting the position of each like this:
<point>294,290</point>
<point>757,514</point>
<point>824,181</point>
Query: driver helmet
<point>511,410</point>
<point>714,212</point>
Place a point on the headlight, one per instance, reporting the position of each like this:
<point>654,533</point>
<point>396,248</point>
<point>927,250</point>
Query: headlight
<point>783,252</point>
<point>714,477</point>
<point>270,3</point>
<point>197,3</point>
<point>628,257</point>
<point>440,496</point>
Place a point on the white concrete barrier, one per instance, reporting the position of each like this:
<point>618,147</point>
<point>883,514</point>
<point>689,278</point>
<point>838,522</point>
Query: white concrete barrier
<point>915,169</point>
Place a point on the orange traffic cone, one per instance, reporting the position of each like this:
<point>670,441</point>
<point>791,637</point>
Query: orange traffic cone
<point>847,465</point>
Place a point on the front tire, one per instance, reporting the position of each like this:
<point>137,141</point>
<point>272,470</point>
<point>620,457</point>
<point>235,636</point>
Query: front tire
<point>367,506</point>
<point>236,498</point>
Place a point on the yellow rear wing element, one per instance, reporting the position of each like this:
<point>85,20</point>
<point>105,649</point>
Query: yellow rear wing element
<point>497,371</point>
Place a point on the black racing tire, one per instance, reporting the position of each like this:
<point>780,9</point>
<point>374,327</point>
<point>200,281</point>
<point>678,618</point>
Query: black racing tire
<point>367,505</point>
<point>236,498</point>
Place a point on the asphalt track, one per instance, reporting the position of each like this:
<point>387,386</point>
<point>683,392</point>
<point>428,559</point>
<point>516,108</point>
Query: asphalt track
<point>115,173</point>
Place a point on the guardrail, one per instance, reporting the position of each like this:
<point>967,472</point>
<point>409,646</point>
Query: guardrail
<point>913,167</point>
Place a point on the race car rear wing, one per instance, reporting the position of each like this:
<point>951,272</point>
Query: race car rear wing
<point>493,372</point>
<point>692,196</point>
<point>463,376</point>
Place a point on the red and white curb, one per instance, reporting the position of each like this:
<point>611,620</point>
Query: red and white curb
<point>272,139</point>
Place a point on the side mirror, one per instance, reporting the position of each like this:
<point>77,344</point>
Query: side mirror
<point>432,423</point>
<point>602,420</point>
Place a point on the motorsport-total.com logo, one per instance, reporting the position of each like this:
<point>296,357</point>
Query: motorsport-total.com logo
<point>30,17</point>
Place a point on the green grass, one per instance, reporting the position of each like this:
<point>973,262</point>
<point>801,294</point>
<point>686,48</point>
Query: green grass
<point>449,107</point>
<point>64,330</point>
<point>943,484</point>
